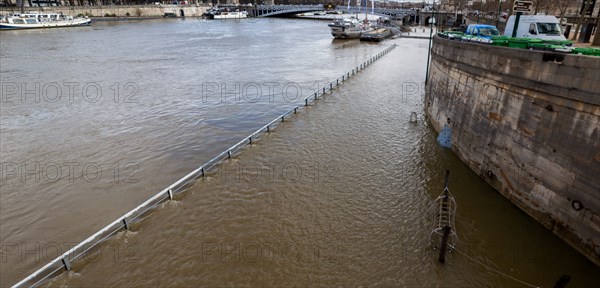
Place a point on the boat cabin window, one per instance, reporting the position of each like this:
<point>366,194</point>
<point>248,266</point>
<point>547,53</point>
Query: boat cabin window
<point>31,21</point>
<point>18,21</point>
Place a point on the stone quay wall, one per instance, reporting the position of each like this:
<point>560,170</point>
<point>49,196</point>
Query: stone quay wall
<point>119,10</point>
<point>528,122</point>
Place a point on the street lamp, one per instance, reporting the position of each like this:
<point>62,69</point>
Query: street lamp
<point>431,22</point>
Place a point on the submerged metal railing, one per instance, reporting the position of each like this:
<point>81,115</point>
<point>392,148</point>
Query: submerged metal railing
<point>443,210</point>
<point>63,262</point>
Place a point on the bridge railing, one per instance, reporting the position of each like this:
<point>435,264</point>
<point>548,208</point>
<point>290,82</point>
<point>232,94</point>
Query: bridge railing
<point>378,11</point>
<point>272,10</point>
<point>89,245</point>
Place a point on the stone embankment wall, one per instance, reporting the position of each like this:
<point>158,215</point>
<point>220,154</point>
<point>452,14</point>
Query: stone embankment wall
<point>528,122</point>
<point>120,11</point>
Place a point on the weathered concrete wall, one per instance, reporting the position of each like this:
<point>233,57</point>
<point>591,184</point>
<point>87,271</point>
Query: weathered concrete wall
<point>121,11</point>
<point>528,122</point>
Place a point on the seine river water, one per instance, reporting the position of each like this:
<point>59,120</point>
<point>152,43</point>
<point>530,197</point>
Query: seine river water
<point>95,120</point>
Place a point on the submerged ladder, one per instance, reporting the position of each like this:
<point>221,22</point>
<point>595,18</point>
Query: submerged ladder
<point>443,210</point>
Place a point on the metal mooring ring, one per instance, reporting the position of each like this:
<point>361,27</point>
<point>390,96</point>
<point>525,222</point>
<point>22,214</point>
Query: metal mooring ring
<point>577,205</point>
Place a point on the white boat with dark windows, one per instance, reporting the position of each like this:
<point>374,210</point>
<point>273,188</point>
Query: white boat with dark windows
<point>226,13</point>
<point>347,28</point>
<point>41,20</point>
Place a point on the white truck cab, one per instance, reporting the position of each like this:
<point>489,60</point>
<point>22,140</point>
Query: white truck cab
<point>545,27</point>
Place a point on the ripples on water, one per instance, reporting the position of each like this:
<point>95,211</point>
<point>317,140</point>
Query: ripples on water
<point>335,198</point>
<point>137,142</point>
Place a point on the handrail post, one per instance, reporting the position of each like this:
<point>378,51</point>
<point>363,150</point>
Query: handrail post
<point>67,264</point>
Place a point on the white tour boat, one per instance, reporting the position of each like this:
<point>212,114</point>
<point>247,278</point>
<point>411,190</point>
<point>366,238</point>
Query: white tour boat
<point>227,14</point>
<point>41,20</point>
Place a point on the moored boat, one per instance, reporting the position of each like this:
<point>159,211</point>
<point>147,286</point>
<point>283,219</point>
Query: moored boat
<point>231,15</point>
<point>41,20</point>
<point>347,28</point>
<point>376,35</point>
<point>225,13</point>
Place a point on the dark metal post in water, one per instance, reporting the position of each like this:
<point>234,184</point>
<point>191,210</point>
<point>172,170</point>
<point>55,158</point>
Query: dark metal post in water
<point>126,223</point>
<point>444,244</point>
<point>65,261</point>
<point>446,181</point>
<point>562,281</point>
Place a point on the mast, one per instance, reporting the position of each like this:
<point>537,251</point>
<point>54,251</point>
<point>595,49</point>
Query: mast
<point>366,10</point>
<point>373,7</point>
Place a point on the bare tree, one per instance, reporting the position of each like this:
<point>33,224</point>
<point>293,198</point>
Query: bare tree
<point>596,41</point>
<point>581,17</point>
<point>562,6</point>
<point>539,5</point>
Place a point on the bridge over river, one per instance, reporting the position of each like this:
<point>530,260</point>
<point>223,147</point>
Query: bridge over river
<point>289,10</point>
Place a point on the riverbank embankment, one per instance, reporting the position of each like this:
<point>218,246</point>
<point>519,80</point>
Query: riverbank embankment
<point>527,123</point>
<point>121,11</point>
